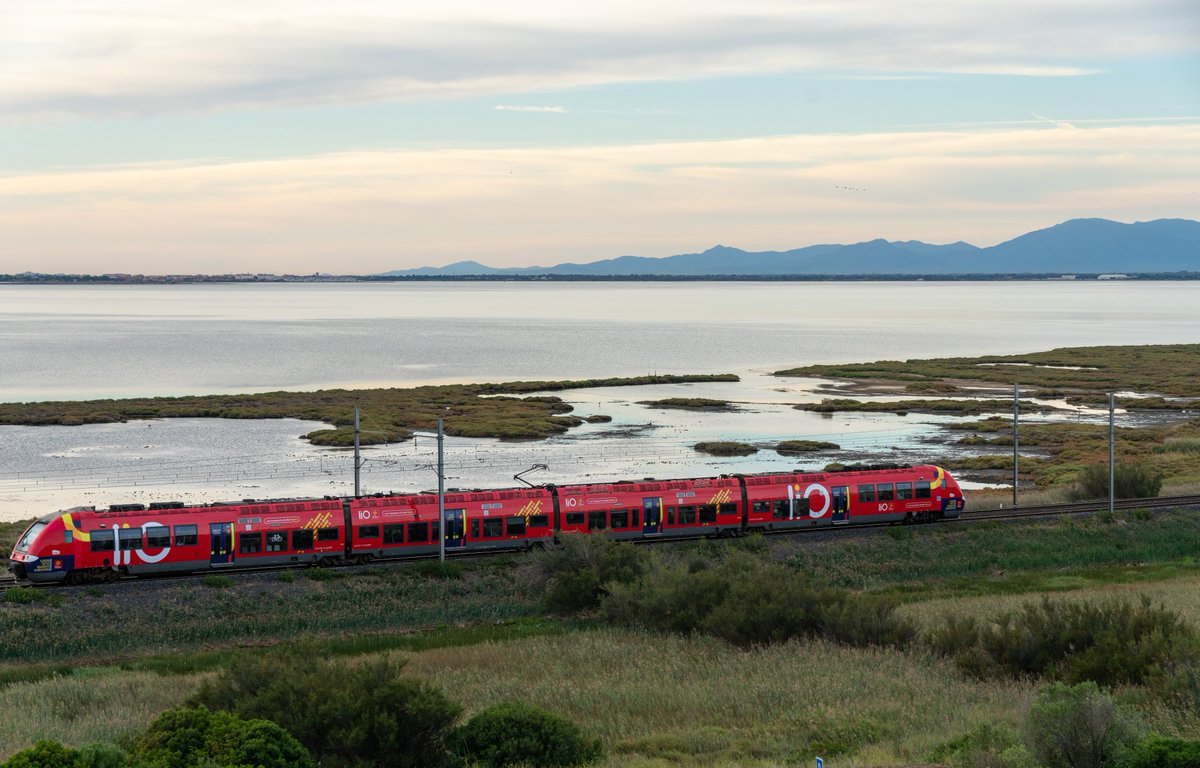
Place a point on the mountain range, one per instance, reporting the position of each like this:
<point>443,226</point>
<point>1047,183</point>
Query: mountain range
<point>1078,246</point>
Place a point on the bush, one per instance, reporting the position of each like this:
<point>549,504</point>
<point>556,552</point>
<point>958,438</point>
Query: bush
<point>1078,727</point>
<point>1161,752</point>
<point>1111,644</point>
<point>986,746</point>
<point>101,756</point>
<point>580,569</point>
<point>748,603</point>
<point>198,738</point>
<point>362,714</point>
<point>45,754</point>
<point>1131,481</point>
<point>522,734</point>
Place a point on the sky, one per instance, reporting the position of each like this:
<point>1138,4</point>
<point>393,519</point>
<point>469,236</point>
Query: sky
<point>360,136</point>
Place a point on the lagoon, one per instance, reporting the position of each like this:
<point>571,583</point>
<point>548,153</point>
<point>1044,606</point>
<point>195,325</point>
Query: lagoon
<point>75,342</point>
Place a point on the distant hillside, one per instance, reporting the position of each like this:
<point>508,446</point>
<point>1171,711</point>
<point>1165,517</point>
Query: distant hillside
<point>1086,246</point>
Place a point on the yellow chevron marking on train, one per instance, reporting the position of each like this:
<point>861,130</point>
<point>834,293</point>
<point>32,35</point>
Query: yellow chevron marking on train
<point>530,509</point>
<point>721,496</point>
<point>320,521</point>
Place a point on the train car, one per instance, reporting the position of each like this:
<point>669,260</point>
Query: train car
<point>894,494</point>
<point>407,525</point>
<point>653,508</point>
<point>86,544</point>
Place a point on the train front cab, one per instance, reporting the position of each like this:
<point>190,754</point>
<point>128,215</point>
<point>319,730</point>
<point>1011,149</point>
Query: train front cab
<point>34,559</point>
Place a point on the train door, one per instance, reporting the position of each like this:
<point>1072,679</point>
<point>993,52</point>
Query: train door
<point>221,543</point>
<point>456,531</point>
<point>652,524</point>
<point>841,503</point>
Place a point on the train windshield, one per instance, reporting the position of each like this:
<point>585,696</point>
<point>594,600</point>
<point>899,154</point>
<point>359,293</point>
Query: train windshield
<point>29,536</point>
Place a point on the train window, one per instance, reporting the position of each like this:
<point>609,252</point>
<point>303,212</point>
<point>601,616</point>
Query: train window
<point>904,490</point>
<point>514,526</point>
<point>276,541</point>
<point>708,513</point>
<point>393,534</point>
<point>158,537</point>
<point>728,508</point>
<point>130,538</point>
<point>418,532</point>
<point>670,515</point>
<point>32,534</point>
<point>69,537</point>
<point>302,539</point>
<point>368,531</point>
<point>436,528</point>
<point>102,541</point>
<point>866,493</point>
<point>687,514</point>
<point>635,518</point>
<point>328,534</point>
<point>574,518</point>
<point>783,509</point>
<point>761,507</point>
<point>493,527</point>
<point>620,518</point>
<point>186,536</point>
<point>539,521</point>
<point>250,543</point>
<point>597,520</point>
<point>922,489</point>
<point>801,507</point>
<point>885,491</point>
<point>475,528</point>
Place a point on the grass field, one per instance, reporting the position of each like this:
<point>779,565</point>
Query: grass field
<point>99,662</point>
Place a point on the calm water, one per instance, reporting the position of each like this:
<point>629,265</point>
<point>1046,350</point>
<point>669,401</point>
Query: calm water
<point>115,341</point>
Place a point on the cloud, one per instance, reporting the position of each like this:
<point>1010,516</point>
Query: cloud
<point>526,108</point>
<point>150,57</point>
<point>364,212</point>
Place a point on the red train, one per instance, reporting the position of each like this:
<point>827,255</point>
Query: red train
<point>86,544</point>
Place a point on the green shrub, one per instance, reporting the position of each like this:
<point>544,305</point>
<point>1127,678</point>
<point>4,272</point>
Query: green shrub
<point>198,738</point>
<point>1113,643</point>
<point>746,603</point>
<point>343,714</point>
<point>988,745</point>
<point>580,569</point>
<point>1078,727</point>
<point>1131,481</point>
<point>45,754</point>
<point>515,734</point>
<point>101,756</point>
<point>217,581</point>
<point>24,595</point>
<point>434,569</point>
<point>1162,752</point>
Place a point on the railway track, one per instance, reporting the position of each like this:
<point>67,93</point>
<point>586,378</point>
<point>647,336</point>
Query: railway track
<point>1011,513</point>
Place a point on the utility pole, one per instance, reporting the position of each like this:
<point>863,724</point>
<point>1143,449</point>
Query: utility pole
<point>357,463</point>
<point>441,497</point>
<point>1016,441</point>
<point>1112,451</point>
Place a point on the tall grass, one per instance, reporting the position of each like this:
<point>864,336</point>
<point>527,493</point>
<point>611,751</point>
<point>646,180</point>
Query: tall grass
<point>83,708</point>
<point>252,610</point>
<point>655,699</point>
